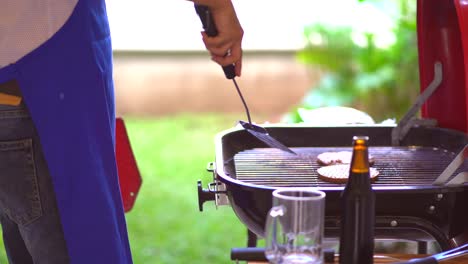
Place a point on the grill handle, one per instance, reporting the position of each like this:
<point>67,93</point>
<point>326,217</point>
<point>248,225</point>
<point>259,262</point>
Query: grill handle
<point>204,195</point>
<point>408,120</point>
<point>248,254</point>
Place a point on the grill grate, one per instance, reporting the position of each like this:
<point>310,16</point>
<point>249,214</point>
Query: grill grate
<point>398,166</point>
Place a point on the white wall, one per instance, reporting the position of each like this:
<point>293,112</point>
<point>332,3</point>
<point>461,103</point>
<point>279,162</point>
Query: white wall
<point>268,24</point>
<point>161,84</point>
<point>156,84</point>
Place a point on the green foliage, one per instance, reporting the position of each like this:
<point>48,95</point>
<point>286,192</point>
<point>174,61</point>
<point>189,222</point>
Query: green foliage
<point>381,80</point>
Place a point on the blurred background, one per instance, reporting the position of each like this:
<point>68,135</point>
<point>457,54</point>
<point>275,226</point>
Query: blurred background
<point>298,54</point>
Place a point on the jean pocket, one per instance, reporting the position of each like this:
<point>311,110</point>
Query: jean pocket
<point>19,191</point>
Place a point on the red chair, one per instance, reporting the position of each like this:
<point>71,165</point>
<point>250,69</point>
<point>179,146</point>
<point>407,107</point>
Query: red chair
<point>129,175</point>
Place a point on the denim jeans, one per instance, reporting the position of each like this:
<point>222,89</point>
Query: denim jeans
<point>30,220</point>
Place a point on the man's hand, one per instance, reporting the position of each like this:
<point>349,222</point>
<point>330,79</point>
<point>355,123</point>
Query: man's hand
<point>226,47</point>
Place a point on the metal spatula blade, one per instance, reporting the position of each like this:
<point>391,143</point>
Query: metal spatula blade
<point>258,131</point>
<point>261,134</point>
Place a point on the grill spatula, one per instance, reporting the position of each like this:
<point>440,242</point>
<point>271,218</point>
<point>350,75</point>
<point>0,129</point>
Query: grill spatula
<point>257,131</point>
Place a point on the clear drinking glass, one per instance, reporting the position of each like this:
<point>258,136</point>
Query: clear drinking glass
<point>294,227</point>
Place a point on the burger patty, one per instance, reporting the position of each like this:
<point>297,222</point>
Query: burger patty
<point>340,157</point>
<point>339,173</point>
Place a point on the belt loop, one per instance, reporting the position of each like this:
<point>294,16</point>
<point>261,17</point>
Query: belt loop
<point>10,93</point>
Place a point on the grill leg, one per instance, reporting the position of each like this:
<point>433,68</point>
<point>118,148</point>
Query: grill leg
<point>422,247</point>
<point>251,239</point>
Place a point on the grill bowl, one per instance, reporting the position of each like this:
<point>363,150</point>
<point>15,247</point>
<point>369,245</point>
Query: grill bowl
<point>407,209</point>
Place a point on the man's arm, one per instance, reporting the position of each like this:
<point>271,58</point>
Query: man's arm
<point>226,47</point>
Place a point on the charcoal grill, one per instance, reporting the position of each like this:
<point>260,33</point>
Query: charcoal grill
<point>409,156</point>
<point>408,206</point>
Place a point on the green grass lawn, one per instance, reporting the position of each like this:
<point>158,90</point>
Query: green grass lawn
<point>165,225</point>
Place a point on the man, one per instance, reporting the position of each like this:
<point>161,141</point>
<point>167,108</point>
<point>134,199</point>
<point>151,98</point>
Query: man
<point>59,195</point>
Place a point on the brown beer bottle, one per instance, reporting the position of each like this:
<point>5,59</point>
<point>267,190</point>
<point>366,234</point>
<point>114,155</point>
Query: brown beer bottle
<point>358,209</point>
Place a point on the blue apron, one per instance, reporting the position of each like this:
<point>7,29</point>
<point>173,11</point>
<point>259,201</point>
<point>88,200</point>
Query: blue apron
<point>67,86</point>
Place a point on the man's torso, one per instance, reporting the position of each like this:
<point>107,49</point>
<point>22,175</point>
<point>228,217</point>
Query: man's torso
<point>26,24</point>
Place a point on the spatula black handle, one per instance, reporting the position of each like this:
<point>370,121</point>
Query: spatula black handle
<point>210,28</point>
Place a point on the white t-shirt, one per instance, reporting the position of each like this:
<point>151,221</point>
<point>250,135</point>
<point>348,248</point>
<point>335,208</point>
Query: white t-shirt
<point>26,24</point>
